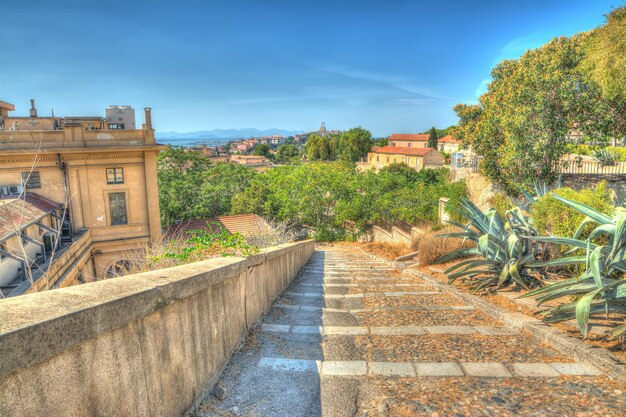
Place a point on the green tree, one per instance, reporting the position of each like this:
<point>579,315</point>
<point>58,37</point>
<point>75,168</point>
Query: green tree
<point>441,132</point>
<point>604,64</point>
<point>354,144</point>
<point>521,124</point>
<point>380,142</point>
<point>262,149</point>
<point>432,138</point>
<point>317,148</point>
<point>253,199</point>
<point>307,195</point>
<point>287,153</point>
<point>223,181</point>
<point>181,172</point>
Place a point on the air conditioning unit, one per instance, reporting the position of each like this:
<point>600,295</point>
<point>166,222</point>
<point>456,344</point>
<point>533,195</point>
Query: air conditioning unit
<point>11,190</point>
<point>15,189</point>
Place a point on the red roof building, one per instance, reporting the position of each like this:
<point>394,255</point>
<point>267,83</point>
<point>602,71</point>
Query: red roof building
<point>409,140</point>
<point>416,158</point>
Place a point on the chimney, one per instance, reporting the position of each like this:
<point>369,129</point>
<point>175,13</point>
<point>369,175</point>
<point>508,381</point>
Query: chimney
<point>148,118</point>
<point>33,110</point>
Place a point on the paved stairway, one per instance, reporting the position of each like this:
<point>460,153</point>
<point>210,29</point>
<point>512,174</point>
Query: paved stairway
<point>352,337</point>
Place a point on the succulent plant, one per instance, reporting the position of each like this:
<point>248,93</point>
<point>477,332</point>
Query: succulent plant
<point>602,287</point>
<point>504,249</point>
<point>606,157</point>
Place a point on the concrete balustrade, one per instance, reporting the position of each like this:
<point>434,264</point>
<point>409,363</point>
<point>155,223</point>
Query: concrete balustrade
<point>149,344</point>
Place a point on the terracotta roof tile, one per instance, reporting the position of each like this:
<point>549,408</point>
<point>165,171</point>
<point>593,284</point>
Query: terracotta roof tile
<point>401,150</point>
<point>422,137</point>
<point>18,212</point>
<point>245,224</point>
<point>448,139</point>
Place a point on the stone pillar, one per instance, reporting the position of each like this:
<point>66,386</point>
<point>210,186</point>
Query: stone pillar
<point>152,195</point>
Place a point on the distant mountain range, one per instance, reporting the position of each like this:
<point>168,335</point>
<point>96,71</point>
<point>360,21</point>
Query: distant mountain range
<point>226,134</point>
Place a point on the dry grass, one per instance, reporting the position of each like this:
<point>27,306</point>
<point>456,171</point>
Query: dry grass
<point>386,250</point>
<point>430,247</point>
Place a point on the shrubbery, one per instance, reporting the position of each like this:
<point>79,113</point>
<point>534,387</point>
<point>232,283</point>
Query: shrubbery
<point>335,201</point>
<point>553,218</point>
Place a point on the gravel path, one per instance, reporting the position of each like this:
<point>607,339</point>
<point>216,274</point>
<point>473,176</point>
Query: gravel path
<point>352,337</point>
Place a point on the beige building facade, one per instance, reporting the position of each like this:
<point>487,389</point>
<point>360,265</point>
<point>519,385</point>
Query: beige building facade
<point>101,188</point>
<point>409,140</point>
<point>416,158</point>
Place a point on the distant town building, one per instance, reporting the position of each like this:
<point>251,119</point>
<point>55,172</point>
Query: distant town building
<point>74,200</point>
<point>409,140</point>
<point>416,158</point>
<point>120,117</point>
<point>448,144</point>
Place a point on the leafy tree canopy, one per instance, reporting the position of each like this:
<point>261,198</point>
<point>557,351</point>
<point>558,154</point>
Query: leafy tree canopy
<point>432,138</point>
<point>262,149</point>
<point>521,124</point>
<point>604,63</point>
<point>181,173</point>
<point>354,144</point>
<point>317,148</point>
<point>287,153</point>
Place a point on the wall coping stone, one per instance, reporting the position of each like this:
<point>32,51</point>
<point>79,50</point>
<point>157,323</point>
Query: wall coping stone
<point>35,327</point>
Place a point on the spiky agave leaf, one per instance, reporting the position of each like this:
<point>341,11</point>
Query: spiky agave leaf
<point>505,255</point>
<point>602,287</point>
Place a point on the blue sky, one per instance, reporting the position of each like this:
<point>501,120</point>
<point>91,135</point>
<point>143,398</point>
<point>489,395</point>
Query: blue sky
<point>387,65</point>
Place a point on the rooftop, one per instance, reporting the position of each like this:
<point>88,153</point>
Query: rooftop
<point>244,224</point>
<point>423,137</point>
<point>18,212</point>
<point>401,150</point>
<point>448,139</point>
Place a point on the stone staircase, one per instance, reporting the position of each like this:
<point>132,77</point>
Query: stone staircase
<point>353,337</point>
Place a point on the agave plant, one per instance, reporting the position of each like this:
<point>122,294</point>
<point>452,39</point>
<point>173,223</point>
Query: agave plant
<point>606,157</point>
<point>602,287</point>
<point>503,250</point>
<point>541,189</point>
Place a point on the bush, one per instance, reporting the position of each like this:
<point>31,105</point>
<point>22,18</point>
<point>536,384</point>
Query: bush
<point>386,250</point>
<point>429,247</point>
<point>588,150</point>
<point>553,218</point>
<point>501,203</point>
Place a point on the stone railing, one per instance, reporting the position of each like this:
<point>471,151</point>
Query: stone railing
<point>54,275</point>
<point>148,344</point>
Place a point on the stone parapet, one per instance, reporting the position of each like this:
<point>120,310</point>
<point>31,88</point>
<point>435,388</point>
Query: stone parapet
<point>147,344</point>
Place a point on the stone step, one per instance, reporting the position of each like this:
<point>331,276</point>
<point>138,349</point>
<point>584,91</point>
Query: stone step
<point>352,285</point>
<point>294,307</point>
<point>430,369</point>
<point>359,295</point>
<point>386,330</point>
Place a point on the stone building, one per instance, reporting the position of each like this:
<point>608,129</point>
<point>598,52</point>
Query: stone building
<point>409,140</point>
<point>448,144</point>
<point>73,202</point>
<point>416,158</point>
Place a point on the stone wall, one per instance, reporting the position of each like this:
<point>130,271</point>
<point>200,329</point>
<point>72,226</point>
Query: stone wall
<point>616,183</point>
<point>394,235</point>
<point>150,344</point>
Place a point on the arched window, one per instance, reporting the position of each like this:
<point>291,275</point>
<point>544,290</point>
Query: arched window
<point>119,268</point>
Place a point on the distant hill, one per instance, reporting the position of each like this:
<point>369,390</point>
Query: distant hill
<point>225,134</point>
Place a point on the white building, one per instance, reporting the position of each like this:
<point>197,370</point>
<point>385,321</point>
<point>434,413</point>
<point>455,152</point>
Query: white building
<point>120,117</point>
